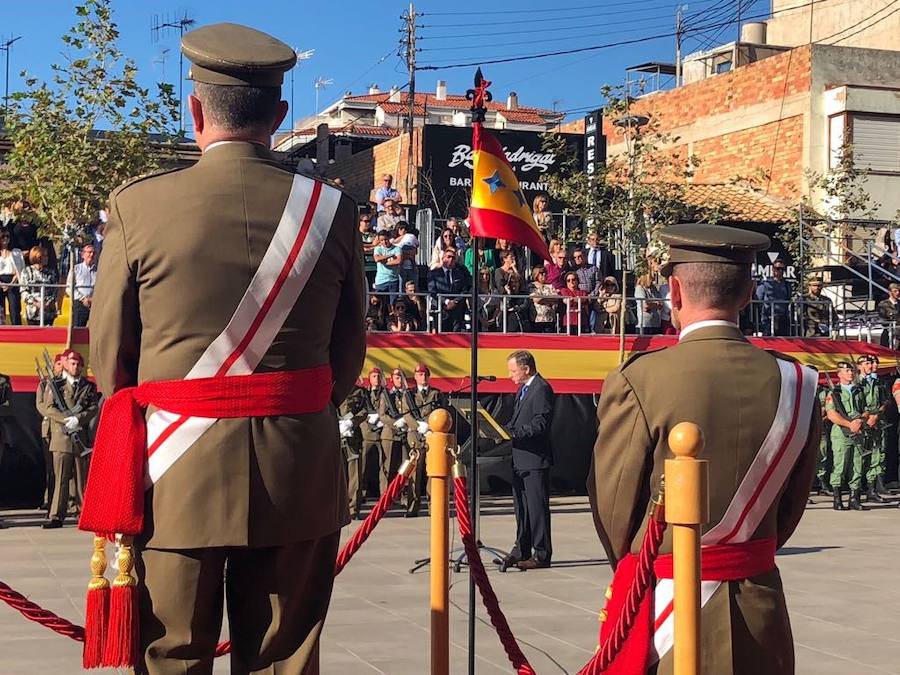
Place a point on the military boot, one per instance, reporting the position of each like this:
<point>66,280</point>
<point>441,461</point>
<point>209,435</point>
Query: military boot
<point>873,496</point>
<point>838,501</point>
<point>854,503</point>
<point>880,487</point>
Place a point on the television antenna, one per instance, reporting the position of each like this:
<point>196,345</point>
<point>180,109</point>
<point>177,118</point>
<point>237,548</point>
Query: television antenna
<point>302,55</point>
<point>6,46</point>
<point>160,60</point>
<point>160,25</point>
<point>320,83</point>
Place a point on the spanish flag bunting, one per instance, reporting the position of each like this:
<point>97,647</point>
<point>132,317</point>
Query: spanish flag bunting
<point>499,208</point>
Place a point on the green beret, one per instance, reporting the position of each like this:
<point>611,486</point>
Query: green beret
<point>699,242</point>
<point>234,55</point>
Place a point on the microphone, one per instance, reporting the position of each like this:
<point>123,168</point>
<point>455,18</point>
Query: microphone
<point>487,378</point>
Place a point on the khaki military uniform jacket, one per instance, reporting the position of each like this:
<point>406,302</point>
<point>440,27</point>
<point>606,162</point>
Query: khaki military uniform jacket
<point>372,402</point>
<point>718,380</point>
<point>81,396</point>
<point>354,406</point>
<point>425,404</point>
<point>389,410</point>
<point>180,251</point>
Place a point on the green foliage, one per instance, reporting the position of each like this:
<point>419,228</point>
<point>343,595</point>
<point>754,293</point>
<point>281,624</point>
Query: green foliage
<point>59,161</point>
<point>634,193</point>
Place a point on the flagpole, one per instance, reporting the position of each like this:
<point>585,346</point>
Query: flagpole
<point>473,458</point>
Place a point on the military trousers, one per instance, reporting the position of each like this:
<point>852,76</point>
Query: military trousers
<point>851,462</point>
<point>49,475</point>
<point>392,453</point>
<point>824,463</point>
<point>418,481</point>
<point>876,459</point>
<point>64,472</point>
<point>277,598</point>
<point>356,472</point>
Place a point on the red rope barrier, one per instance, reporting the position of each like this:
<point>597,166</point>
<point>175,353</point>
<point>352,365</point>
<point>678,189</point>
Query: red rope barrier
<point>643,581</point>
<point>488,597</point>
<point>62,626</point>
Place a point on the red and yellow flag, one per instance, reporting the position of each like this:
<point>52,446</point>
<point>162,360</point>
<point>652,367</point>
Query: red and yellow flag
<point>499,208</point>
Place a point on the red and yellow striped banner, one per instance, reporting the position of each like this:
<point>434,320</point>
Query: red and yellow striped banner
<point>573,365</point>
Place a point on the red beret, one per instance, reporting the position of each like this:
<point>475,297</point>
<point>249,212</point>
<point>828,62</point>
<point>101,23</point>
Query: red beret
<point>375,370</point>
<point>422,368</point>
<point>69,353</point>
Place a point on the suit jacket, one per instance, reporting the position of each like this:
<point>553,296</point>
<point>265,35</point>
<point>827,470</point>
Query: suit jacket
<point>718,380</point>
<point>460,285</point>
<point>530,427</point>
<point>81,396</point>
<point>180,250</point>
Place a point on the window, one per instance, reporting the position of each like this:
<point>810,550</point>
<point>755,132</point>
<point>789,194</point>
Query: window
<point>723,67</point>
<point>876,142</point>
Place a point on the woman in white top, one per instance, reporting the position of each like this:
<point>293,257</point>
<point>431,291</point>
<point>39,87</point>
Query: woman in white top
<point>11,263</point>
<point>446,240</point>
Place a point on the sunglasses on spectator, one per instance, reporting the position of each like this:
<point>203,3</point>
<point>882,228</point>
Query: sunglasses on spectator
<point>571,281</point>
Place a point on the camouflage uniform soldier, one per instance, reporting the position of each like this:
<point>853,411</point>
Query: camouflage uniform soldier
<point>845,408</point>
<point>824,462</point>
<point>876,405</point>
<point>351,414</point>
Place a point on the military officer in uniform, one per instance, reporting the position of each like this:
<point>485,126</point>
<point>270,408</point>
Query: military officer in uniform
<point>371,426</point>
<point>41,401</point>
<point>845,406</point>
<point>393,431</point>
<point>234,267</point>
<point>416,406</point>
<point>817,310</point>
<point>68,437</point>
<point>745,625</point>
<point>824,462</point>
<point>876,405</point>
<point>352,413</point>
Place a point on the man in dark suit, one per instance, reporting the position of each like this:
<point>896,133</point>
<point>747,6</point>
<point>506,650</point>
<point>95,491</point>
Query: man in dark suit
<point>450,279</point>
<point>531,462</point>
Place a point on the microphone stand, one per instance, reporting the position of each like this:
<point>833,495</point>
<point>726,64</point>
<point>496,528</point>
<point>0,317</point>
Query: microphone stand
<point>458,555</point>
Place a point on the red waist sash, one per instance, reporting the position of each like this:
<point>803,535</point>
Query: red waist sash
<point>114,496</point>
<point>727,562</point>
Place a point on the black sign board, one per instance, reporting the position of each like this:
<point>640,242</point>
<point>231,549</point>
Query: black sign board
<point>594,142</point>
<point>447,165</point>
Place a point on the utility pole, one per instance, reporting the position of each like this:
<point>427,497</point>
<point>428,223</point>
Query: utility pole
<point>679,34</point>
<point>410,30</point>
<point>157,26</point>
<point>7,47</point>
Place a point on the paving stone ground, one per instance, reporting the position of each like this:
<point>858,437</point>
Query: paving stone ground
<point>841,572</point>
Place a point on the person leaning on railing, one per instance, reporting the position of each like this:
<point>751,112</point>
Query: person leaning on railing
<point>544,300</point>
<point>610,300</point>
<point>889,312</point>
<point>514,311</point>
<point>488,302</point>
<point>575,305</point>
<point>33,277</point>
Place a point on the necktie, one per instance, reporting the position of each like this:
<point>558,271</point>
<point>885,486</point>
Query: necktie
<point>449,278</point>
<point>522,394</point>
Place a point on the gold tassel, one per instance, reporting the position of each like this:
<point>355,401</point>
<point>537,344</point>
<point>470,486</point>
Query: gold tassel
<point>97,608</point>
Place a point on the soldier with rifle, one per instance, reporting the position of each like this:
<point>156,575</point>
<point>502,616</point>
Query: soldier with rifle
<point>393,431</point>
<point>876,405</point>
<point>351,415</point>
<point>824,461</point>
<point>416,406</point>
<point>70,403</point>
<point>845,407</point>
<point>371,426</point>
<point>41,401</point>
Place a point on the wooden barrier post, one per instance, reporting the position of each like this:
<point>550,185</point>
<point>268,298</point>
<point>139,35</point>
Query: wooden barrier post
<point>687,508</point>
<point>438,468</point>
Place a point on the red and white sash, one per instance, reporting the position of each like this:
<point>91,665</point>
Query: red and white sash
<point>285,268</point>
<point>757,492</point>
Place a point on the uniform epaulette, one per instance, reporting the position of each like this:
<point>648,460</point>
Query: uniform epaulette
<point>144,176</point>
<point>634,356</point>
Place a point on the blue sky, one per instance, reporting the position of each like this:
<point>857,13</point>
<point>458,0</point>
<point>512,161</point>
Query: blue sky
<point>355,40</point>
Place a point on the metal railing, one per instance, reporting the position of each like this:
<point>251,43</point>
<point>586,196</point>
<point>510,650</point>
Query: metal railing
<point>46,298</point>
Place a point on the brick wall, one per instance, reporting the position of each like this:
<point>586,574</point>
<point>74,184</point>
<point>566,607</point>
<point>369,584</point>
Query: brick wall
<point>361,171</point>
<point>737,123</point>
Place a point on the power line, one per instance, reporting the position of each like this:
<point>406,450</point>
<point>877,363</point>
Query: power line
<point>554,10</point>
<point>621,43</point>
<point>864,28</point>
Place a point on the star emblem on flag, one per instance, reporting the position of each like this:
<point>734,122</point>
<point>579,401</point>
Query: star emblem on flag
<point>494,182</point>
<point>520,196</point>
